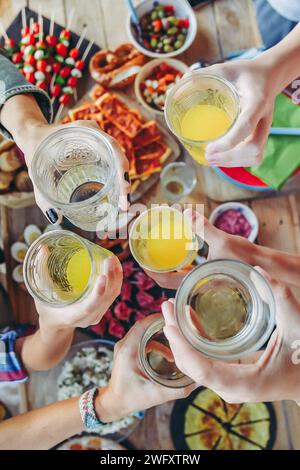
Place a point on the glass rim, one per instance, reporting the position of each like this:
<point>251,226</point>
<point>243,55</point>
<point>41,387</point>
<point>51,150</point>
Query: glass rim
<point>27,260</point>
<point>99,193</point>
<point>133,252</point>
<point>185,80</point>
<point>154,327</point>
<point>214,349</point>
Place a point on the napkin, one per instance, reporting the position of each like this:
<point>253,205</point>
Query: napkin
<point>282,153</point>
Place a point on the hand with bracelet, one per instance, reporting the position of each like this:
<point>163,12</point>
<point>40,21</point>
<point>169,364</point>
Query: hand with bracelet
<point>127,392</point>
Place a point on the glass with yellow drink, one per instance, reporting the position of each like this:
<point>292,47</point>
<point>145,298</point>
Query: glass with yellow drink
<point>199,109</point>
<point>60,267</point>
<point>161,240</point>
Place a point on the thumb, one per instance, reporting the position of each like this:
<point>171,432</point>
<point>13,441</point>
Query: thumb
<point>202,227</point>
<point>52,213</point>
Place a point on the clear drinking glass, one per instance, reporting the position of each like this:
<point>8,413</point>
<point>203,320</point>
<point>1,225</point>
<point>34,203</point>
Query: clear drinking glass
<point>61,267</point>
<point>178,180</point>
<point>74,169</point>
<point>157,360</point>
<point>199,88</point>
<point>225,309</point>
<point>161,240</point>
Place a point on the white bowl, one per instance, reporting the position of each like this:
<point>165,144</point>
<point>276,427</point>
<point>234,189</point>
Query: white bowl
<point>245,210</point>
<point>182,10</point>
<point>146,71</point>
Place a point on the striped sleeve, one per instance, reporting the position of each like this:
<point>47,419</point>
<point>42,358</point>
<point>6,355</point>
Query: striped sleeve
<point>11,369</point>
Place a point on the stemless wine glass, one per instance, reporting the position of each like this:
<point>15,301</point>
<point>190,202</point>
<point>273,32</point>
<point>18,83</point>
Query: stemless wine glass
<point>75,170</point>
<point>198,88</point>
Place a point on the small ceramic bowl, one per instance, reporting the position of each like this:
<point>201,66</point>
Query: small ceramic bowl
<point>245,210</point>
<point>144,74</point>
<point>183,10</point>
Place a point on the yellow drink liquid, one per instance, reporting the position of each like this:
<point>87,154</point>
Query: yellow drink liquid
<point>78,271</point>
<point>203,122</point>
<point>161,241</point>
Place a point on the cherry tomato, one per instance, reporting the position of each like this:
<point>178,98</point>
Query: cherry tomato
<point>35,27</point>
<point>61,49</point>
<point>9,43</point>
<point>55,90</point>
<point>17,57</point>
<point>169,9</point>
<point>72,82</point>
<point>30,39</point>
<point>65,34</point>
<point>157,25</point>
<point>42,85</point>
<point>65,72</point>
<point>64,99</point>
<point>56,67</point>
<point>51,40</point>
<point>25,31</point>
<point>184,23</point>
<point>30,77</point>
<point>41,65</point>
<point>74,53</point>
<point>79,64</point>
<point>41,45</point>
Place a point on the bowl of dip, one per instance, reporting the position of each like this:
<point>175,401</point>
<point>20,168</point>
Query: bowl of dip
<point>235,218</point>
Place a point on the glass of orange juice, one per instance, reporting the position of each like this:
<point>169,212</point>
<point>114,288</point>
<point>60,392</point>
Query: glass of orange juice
<point>199,109</point>
<point>60,267</point>
<point>161,240</point>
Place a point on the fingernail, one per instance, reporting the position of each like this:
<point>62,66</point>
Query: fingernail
<point>52,215</point>
<point>126,177</point>
<point>129,198</point>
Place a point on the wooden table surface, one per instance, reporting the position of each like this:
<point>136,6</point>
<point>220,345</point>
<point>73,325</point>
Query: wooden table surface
<point>223,26</point>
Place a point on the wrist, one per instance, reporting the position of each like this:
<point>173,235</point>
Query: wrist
<point>107,407</point>
<point>49,332</point>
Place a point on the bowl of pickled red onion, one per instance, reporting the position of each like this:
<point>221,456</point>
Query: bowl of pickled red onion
<point>235,218</point>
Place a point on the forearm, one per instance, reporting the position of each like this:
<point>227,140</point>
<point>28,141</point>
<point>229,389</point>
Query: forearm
<point>23,118</point>
<point>283,60</point>
<point>46,348</point>
<point>42,428</point>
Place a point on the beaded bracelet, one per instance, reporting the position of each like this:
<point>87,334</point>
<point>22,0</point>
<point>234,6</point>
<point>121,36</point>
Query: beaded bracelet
<point>87,411</point>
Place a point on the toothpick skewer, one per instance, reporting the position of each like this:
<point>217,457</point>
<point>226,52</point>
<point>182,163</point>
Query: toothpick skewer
<point>4,34</point>
<point>51,28</point>
<point>53,81</point>
<point>24,22</point>
<point>75,95</point>
<point>86,52</point>
<point>59,113</point>
<point>82,36</point>
<point>40,21</point>
<point>68,27</point>
<point>31,21</point>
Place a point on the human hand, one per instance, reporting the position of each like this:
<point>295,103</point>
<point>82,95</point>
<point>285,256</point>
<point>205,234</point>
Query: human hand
<point>269,375</point>
<point>40,131</point>
<point>257,88</point>
<point>90,310</point>
<point>129,390</point>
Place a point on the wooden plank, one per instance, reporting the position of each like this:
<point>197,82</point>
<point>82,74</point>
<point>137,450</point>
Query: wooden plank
<point>88,14</point>
<point>13,223</point>
<point>236,24</point>
<point>9,10</point>
<point>47,7</point>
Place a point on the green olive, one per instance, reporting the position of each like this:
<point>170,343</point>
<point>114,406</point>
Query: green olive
<point>167,41</point>
<point>168,48</point>
<point>153,42</point>
<point>173,20</point>
<point>181,37</point>
<point>154,15</point>
<point>172,31</point>
<point>161,14</point>
<point>178,44</point>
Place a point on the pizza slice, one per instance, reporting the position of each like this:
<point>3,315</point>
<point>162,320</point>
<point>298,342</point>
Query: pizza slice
<point>83,112</point>
<point>149,134</point>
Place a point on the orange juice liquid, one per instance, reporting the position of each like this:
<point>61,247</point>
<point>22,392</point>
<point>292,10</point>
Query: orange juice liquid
<point>161,241</point>
<point>203,122</point>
